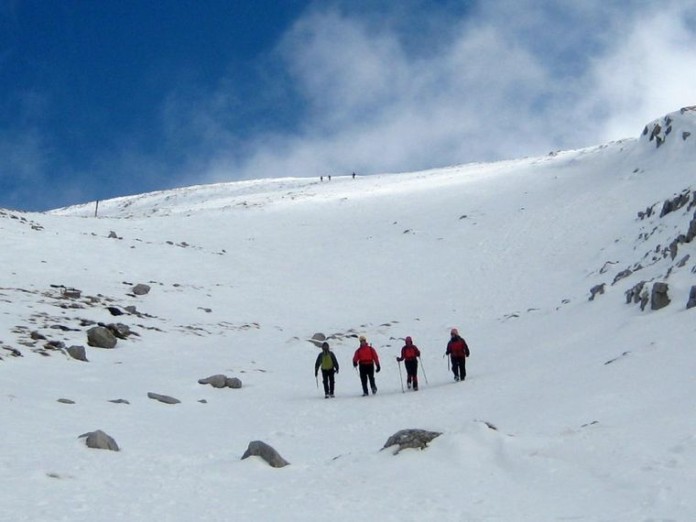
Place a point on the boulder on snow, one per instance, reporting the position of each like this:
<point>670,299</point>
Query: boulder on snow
<point>221,381</point>
<point>234,382</point>
<point>99,440</point>
<point>411,438</point>
<point>141,289</point>
<point>77,352</point>
<point>692,298</point>
<point>259,448</point>
<point>166,399</point>
<point>101,337</point>
<point>216,381</point>
<point>659,297</point>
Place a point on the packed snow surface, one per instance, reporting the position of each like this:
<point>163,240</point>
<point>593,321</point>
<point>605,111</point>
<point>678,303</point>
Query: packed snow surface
<point>573,409</point>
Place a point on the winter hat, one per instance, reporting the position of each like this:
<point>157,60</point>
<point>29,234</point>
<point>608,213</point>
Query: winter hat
<point>409,340</point>
<point>325,345</point>
<point>362,338</point>
<point>454,331</point>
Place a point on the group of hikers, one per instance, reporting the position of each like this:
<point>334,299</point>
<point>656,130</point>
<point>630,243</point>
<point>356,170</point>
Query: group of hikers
<point>366,361</point>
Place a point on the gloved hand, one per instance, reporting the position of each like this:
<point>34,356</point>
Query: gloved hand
<point>398,360</point>
<point>336,371</point>
<point>316,374</point>
<point>378,369</point>
<point>355,365</point>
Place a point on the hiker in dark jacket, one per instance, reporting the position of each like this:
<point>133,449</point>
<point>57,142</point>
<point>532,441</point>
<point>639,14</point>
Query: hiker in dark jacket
<point>410,354</point>
<point>458,352</point>
<point>366,357</point>
<point>326,360</point>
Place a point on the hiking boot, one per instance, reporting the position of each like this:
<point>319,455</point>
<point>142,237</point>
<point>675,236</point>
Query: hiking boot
<point>365,394</point>
<point>374,390</point>
<point>326,396</point>
<point>408,385</point>
<point>331,395</point>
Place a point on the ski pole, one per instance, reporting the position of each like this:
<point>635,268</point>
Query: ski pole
<point>401,380</point>
<point>423,368</point>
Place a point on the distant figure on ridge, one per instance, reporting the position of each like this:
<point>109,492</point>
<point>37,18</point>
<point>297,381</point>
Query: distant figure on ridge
<point>326,360</point>
<point>410,354</point>
<point>366,357</point>
<point>458,352</point>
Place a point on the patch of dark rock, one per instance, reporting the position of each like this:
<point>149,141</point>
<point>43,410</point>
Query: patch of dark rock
<point>119,401</point>
<point>114,310</point>
<point>166,399</point>
<point>99,440</point>
<point>659,297</point>
<point>141,289</point>
<point>260,449</point>
<point>410,438</point>
<point>101,337</point>
<point>66,401</point>
<point>692,298</point>
<point>221,381</point>
<point>77,352</point>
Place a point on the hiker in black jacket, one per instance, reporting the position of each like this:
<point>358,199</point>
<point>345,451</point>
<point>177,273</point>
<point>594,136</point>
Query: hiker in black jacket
<point>326,360</point>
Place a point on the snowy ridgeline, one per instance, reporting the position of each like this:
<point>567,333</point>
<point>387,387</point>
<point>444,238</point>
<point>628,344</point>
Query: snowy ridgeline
<point>180,330</point>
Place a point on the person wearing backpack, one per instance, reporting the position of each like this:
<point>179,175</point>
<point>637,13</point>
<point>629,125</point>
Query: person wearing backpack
<point>410,354</point>
<point>326,360</point>
<point>458,352</point>
<point>367,359</point>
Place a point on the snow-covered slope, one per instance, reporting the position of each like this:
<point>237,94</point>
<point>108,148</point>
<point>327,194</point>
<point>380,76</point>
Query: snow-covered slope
<point>591,401</point>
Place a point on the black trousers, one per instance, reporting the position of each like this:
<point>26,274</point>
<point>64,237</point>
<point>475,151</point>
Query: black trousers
<point>367,373</point>
<point>459,367</point>
<point>327,379</point>
<point>412,372</point>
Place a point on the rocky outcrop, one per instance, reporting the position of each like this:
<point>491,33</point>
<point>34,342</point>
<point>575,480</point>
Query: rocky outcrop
<point>259,448</point>
<point>410,438</point>
<point>166,399</point>
<point>99,440</point>
<point>221,381</point>
<point>101,337</point>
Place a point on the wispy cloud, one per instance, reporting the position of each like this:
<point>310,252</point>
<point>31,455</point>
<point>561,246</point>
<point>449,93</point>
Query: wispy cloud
<point>511,78</point>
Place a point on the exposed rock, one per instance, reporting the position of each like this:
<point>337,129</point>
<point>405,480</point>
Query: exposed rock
<point>77,352</point>
<point>101,337</point>
<point>234,382</point>
<point>692,298</point>
<point>141,289</point>
<point>120,330</point>
<point>412,438</point>
<point>66,401</point>
<point>659,297</point>
<point>221,381</point>
<point>258,448</point>
<point>119,401</point>
<point>99,440</point>
<point>597,289</point>
<point>216,381</point>
<point>166,399</point>
<point>318,339</point>
<point>113,310</point>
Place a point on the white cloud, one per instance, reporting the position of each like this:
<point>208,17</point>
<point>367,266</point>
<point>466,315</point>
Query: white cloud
<point>510,79</point>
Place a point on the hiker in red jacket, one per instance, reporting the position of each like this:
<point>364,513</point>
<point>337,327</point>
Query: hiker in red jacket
<point>366,357</point>
<point>458,352</point>
<point>410,354</point>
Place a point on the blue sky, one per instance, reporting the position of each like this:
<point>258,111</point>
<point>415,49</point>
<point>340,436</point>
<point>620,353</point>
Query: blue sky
<point>118,97</point>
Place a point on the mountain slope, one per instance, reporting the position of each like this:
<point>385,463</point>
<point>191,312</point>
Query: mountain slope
<point>572,409</point>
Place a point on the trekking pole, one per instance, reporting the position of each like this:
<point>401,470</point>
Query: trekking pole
<point>401,380</point>
<point>316,378</point>
<point>423,368</point>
